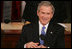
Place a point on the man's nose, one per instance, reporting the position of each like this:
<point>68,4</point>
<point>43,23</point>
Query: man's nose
<point>45,15</point>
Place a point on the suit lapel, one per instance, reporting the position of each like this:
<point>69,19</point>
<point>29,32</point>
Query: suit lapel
<point>49,34</point>
<point>49,29</point>
<point>36,32</point>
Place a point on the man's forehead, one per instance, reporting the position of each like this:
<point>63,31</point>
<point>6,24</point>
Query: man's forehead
<point>46,9</point>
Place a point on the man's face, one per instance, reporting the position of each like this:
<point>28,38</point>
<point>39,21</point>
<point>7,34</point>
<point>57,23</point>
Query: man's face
<point>45,14</point>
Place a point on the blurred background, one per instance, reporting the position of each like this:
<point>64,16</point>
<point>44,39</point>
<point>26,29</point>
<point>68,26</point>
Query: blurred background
<point>15,14</point>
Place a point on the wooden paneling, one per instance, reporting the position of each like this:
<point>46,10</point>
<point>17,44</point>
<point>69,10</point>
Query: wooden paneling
<point>68,41</point>
<point>9,41</point>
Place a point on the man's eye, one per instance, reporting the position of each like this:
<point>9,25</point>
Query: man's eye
<point>43,13</point>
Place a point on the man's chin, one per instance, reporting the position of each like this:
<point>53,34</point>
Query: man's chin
<point>44,23</point>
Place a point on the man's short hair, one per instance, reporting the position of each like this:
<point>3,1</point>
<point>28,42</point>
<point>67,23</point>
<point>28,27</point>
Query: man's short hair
<point>46,3</point>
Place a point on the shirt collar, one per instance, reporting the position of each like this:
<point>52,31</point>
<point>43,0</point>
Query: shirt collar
<point>42,25</point>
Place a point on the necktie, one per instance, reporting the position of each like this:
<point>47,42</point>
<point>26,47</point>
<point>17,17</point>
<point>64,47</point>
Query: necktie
<point>42,33</point>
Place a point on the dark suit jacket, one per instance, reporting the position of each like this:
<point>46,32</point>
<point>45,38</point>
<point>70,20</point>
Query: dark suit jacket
<point>54,35</point>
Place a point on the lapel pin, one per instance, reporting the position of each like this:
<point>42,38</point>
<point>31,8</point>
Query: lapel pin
<point>51,32</point>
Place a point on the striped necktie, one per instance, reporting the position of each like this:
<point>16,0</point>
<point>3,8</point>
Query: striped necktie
<point>42,33</point>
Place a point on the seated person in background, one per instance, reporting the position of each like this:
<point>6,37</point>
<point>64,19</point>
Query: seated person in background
<point>44,33</point>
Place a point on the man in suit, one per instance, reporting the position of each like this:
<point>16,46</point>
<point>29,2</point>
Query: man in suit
<point>45,33</point>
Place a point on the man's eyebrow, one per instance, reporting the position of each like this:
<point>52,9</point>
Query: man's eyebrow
<point>43,12</point>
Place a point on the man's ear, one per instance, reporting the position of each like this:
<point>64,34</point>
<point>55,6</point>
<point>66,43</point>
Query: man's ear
<point>52,15</point>
<point>37,13</point>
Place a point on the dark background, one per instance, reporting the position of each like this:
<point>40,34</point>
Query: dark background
<point>62,11</point>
